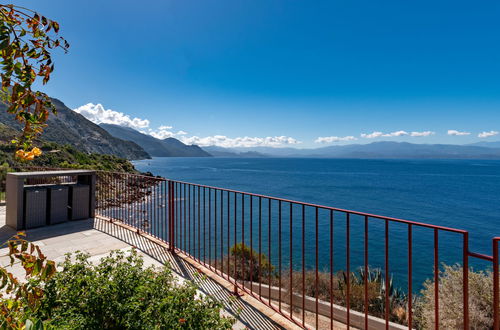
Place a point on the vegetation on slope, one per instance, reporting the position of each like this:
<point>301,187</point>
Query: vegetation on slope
<point>243,265</point>
<point>57,156</point>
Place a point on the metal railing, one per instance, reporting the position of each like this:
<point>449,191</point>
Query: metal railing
<point>291,255</point>
<point>3,186</point>
<point>261,243</point>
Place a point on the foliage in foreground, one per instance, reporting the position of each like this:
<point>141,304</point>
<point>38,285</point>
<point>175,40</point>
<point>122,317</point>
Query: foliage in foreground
<point>21,300</point>
<point>26,42</point>
<point>119,293</point>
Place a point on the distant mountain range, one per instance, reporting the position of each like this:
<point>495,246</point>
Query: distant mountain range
<point>384,149</point>
<point>227,152</point>
<point>69,127</point>
<point>168,147</point>
<point>486,144</point>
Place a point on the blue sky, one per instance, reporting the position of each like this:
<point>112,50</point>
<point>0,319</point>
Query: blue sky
<point>294,69</point>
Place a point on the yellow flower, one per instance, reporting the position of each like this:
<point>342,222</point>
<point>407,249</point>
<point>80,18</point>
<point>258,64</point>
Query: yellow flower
<point>29,155</point>
<point>20,153</point>
<point>36,151</point>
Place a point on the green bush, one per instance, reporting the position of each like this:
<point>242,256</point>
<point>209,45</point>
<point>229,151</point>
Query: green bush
<point>451,300</point>
<point>244,264</point>
<point>119,293</point>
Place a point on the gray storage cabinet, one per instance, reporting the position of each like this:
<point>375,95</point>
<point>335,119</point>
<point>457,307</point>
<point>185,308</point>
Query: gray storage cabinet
<point>58,198</point>
<point>80,200</point>
<point>35,207</point>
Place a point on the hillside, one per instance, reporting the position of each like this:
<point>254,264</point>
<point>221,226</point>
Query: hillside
<point>168,147</point>
<point>69,127</point>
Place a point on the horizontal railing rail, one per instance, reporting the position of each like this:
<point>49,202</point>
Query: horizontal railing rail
<point>314,264</point>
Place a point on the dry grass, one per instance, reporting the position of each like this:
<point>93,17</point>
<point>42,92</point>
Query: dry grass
<point>333,288</point>
<point>326,287</point>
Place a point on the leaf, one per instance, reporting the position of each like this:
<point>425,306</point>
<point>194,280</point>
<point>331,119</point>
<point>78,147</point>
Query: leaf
<point>29,325</point>
<point>55,26</point>
<point>4,44</point>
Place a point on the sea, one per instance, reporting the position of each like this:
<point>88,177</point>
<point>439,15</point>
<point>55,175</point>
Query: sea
<point>461,194</point>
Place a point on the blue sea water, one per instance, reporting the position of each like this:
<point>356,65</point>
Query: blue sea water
<point>462,194</point>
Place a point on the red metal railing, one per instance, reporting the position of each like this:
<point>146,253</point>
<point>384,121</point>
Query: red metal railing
<point>288,254</point>
<point>3,176</point>
<point>496,285</point>
<point>207,224</point>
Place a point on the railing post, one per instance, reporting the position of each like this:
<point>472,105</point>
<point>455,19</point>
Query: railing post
<point>496,286</point>
<point>465,279</point>
<point>171,215</point>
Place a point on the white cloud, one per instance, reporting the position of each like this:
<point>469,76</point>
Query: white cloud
<point>424,133</point>
<point>374,135</point>
<point>377,134</point>
<point>164,132</point>
<point>487,134</point>
<point>457,133</point>
<point>224,141</point>
<point>330,139</point>
<point>97,114</point>
<point>398,133</point>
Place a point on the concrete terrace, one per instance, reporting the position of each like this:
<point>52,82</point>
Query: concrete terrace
<point>98,237</point>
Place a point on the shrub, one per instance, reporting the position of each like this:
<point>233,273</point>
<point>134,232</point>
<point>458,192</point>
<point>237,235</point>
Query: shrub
<point>118,293</point>
<point>451,300</point>
<point>244,264</point>
<point>309,287</point>
<point>377,288</point>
